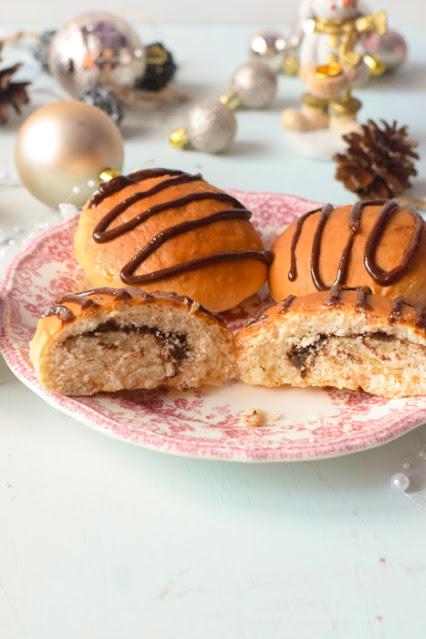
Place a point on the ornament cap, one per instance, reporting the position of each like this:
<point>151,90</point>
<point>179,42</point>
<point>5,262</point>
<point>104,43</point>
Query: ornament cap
<point>179,138</point>
<point>107,174</point>
<point>231,100</point>
<point>375,66</point>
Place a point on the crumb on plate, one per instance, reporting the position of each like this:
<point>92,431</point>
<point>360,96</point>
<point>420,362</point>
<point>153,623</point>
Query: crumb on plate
<point>254,417</point>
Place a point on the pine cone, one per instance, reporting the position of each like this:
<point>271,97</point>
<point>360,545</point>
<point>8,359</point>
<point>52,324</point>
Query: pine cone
<point>12,94</point>
<point>378,162</point>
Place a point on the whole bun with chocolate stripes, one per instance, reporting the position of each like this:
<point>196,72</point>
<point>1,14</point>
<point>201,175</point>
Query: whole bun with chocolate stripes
<point>375,243</point>
<point>163,229</point>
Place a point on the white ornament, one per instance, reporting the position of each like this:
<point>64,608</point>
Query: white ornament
<point>67,210</point>
<point>269,47</point>
<point>400,481</point>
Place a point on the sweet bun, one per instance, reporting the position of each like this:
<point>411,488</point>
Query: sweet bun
<point>376,244</point>
<point>161,229</point>
<point>123,339</point>
<point>345,339</point>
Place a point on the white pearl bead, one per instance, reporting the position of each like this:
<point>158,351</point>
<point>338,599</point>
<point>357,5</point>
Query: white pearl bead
<point>91,184</point>
<point>422,454</point>
<point>406,466</point>
<point>400,482</point>
<point>76,190</point>
<point>66,209</point>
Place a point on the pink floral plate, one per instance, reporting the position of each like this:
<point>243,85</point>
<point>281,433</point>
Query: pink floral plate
<point>209,423</point>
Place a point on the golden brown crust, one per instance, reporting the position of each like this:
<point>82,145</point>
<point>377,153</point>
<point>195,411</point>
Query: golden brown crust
<point>396,238</point>
<point>52,322</point>
<point>218,287</point>
<point>377,310</point>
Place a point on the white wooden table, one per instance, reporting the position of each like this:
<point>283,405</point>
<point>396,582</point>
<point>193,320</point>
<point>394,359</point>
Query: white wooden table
<point>100,540</point>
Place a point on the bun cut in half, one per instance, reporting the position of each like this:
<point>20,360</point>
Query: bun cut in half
<point>107,340</point>
<point>344,339</point>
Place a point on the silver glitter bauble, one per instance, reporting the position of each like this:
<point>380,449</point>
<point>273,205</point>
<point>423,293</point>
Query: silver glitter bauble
<point>96,49</point>
<point>255,84</point>
<point>269,47</point>
<point>211,127</point>
<point>391,48</point>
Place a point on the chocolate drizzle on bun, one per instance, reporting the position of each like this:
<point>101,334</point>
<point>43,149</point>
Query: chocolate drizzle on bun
<point>373,243</point>
<point>172,230</point>
<point>84,299</point>
<point>376,235</point>
<point>103,233</point>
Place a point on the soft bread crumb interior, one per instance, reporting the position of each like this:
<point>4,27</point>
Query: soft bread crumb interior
<point>137,348</point>
<point>383,360</point>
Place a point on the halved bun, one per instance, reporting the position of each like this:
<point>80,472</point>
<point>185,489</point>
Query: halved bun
<point>122,339</point>
<point>347,339</point>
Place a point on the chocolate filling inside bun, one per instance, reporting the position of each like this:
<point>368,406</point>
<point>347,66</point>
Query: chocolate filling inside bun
<point>343,338</point>
<point>107,340</point>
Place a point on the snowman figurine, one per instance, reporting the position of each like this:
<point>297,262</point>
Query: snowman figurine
<point>331,63</point>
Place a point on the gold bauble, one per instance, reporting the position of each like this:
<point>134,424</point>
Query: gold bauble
<point>63,147</point>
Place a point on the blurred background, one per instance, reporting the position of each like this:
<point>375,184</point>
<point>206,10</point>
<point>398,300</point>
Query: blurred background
<point>236,11</point>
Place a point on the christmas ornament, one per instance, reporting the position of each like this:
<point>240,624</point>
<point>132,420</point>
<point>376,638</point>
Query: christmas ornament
<point>378,161</point>
<point>211,125</point>
<point>12,94</point>
<point>62,148</point>
<point>255,85</point>
<point>42,48</point>
<point>105,100</point>
<point>278,52</point>
<point>148,91</point>
<point>160,68</point>
<point>391,49</point>
<point>96,49</point>
<point>211,128</point>
<point>269,47</point>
